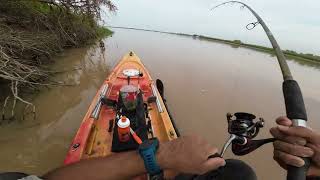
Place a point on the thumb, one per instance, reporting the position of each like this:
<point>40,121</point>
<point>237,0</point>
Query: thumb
<point>284,121</point>
<point>212,164</point>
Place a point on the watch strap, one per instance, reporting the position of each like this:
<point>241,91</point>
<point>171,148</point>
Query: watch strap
<point>148,154</point>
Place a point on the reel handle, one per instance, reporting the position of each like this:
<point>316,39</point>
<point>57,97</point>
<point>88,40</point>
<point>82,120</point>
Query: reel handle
<point>296,111</point>
<point>251,145</point>
<point>216,155</point>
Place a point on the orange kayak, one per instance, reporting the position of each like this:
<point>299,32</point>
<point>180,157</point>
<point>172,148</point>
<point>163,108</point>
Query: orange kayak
<point>128,91</point>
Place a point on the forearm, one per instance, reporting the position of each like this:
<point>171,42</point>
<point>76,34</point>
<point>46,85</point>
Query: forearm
<point>187,154</point>
<point>117,166</point>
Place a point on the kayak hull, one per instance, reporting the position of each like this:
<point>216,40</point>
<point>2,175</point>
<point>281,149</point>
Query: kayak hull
<point>93,138</point>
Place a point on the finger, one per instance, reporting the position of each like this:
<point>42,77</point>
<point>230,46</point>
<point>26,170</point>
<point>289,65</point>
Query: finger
<point>293,149</point>
<point>316,157</point>
<point>284,121</point>
<point>288,158</point>
<point>211,164</point>
<point>303,132</point>
<point>211,151</point>
<point>276,133</point>
<point>280,162</point>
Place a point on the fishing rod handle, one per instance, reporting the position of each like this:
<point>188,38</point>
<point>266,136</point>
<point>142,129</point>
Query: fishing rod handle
<point>296,111</point>
<point>298,173</point>
<point>295,108</point>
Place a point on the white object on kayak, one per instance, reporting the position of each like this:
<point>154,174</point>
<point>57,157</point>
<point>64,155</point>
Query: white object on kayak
<point>123,122</point>
<point>131,72</point>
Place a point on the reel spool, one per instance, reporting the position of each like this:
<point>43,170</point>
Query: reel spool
<point>243,128</point>
<point>244,124</point>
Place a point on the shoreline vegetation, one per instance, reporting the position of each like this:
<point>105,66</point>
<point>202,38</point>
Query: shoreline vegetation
<point>32,32</point>
<point>300,57</point>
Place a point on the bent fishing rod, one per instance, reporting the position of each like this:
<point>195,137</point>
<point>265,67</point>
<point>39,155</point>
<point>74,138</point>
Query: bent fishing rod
<point>242,127</point>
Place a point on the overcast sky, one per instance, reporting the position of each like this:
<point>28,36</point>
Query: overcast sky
<point>294,23</point>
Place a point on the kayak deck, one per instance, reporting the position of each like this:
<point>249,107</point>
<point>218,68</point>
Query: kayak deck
<point>93,138</point>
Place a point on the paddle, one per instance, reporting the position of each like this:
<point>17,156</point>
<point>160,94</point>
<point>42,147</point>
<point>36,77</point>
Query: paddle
<point>160,88</point>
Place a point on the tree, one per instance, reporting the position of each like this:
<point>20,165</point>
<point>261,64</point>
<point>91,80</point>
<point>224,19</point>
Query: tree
<point>89,7</point>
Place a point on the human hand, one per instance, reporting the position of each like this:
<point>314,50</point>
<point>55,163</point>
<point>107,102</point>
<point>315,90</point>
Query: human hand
<point>188,154</point>
<point>296,142</point>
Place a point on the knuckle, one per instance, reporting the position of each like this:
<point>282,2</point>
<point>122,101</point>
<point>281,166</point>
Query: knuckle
<point>272,130</point>
<point>282,155</point>
<point>279,119</point>
<point>292,149</point>
<point>279,145</point>
<point>299,141</point>
<point>291,139</point>
<point>275,143</point>
<point>277,155</point>
<point>285,157</point>
<point>308,151</point>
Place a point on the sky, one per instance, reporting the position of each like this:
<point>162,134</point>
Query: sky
<point>294,23</point>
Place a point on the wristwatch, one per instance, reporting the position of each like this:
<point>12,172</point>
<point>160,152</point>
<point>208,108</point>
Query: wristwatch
<point>147,151</point>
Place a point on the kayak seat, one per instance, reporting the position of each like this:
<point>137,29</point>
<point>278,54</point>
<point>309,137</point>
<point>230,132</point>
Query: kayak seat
<point>137,123</point>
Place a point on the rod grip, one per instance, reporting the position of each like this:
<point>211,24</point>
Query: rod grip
<point>294,101</point>
<point>298,173</point>
<point>295,109</point>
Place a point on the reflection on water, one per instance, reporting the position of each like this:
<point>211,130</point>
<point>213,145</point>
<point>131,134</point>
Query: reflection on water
<point>203,81</point>
<point>37,146</point>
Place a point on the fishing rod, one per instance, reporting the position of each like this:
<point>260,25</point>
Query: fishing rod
<point>243,128</point>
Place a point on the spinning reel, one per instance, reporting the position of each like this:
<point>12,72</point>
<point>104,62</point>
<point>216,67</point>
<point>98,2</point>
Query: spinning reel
<point>243,128</point>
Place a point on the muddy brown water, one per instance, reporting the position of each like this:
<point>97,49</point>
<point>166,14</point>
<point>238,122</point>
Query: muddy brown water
<point>203,81</point>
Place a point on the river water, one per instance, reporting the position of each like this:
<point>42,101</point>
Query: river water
<point>203,81</point>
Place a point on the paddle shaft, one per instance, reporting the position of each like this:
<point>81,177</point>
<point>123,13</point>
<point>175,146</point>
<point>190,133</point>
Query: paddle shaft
<point>96,111</point>
<point>160,88</point>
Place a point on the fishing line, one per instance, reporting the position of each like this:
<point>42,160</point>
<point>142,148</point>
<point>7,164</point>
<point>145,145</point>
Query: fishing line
<point>233,98</point>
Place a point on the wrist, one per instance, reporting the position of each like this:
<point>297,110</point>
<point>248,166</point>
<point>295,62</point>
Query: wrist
<point>163,155</point>
<point>148,150</point>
